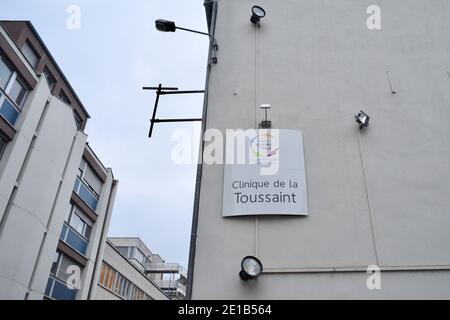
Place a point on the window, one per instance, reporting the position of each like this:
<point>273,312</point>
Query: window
<point>76,230</point>
<point>18,92</point>
<point>124,251</point>
<point>55,263</point>
<point>79,222</point>
<point>140,257</point>
<point>80,225</point>
<point>63,96</point>
<point>6,71</point>
<point>92,180</point>
<point>56,285</point>
<point>88,185</point>
<point>3,144</point>
<point>77,120</point>
<point>50,78</point>
<point>81,168</point>
<point>60,266</point>
<point>30,54</point>
<point>73,239</point>
<point>117,283</point>
<point>12,91</point>
<point>107,276</point>
<point>112,278</point>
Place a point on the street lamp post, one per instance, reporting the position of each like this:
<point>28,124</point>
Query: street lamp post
<point>169,26</point>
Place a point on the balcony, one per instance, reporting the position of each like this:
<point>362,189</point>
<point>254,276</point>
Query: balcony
<point>166,268</point>
<point>73,239</point>
<point>8,109</point>
<point>172,285</point>
<point>56,289</point>
<point>85,194</point>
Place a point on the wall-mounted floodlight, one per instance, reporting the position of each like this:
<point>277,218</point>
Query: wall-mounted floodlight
<point>257,14</point>
<point>251,268</point>
<point>362,119</point>
<point>169,26</point>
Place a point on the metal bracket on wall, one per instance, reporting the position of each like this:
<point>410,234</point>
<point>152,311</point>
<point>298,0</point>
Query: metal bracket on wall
<point>160,90</point>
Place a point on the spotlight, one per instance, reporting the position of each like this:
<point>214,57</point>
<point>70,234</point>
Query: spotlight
<point>257,14</point>
<point>362,119</point>
<point>251,268</point>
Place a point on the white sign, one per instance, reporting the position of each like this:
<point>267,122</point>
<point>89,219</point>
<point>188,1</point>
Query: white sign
<point>248,191</point>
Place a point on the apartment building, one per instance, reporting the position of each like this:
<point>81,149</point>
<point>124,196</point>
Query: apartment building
<point>56,196</point>
<point>377,197</point>
<point>123,278</point>
<point>171,278</point>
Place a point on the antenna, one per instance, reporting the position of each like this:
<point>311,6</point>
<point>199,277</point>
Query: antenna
<point>265,124</point>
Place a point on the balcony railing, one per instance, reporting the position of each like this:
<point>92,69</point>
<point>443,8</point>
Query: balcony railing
<point>165,268</point>
<point>171,285</point>
<point>85,194</point>
<point>58,290</point>
<point>8,109</point>
<point>73,239</point>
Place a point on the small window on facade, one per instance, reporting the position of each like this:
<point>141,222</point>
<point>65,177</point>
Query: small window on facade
<point>102,273</point>
<point>80,222</point>
<point>77,120</point>
<point>51,80</point>
<point>13,91</point>
<point>63,269</point>
<point>55,263</point>
<point>6,71</point>
<point>30,54</point>
<point>18,92</point>
<point>82,167</point>
<point>3,144</point>
<point>92,180</point>
<point>63,97</point>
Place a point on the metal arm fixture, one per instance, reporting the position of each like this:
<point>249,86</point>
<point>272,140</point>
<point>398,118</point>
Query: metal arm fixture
<point>168,90</point>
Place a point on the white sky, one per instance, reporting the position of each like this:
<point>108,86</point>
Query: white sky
<point>115,53</point>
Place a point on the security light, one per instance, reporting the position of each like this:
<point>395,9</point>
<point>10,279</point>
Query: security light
<point>257,14</point>
<point>165,25</point>
<point>362,119</point>
<point>251,268</point>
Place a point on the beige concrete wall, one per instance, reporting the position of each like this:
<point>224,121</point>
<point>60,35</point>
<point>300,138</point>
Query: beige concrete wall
<point>375,197</point>
<point>113,258</point>
<point>41,163</point>
<point>104,294</point>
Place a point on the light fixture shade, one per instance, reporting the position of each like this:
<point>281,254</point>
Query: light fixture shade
<point>165,25</point>
<point>362,119</point>
<point>257,14</point>
<point>251,268</point>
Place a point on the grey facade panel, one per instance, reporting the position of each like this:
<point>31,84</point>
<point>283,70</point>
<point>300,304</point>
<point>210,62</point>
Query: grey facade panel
<point>378,196</point>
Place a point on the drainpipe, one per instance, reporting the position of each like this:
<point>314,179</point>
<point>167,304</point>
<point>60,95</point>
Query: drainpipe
<point>192,247</point>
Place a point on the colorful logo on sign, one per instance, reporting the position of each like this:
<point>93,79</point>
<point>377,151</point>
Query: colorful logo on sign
<point>261,146</point>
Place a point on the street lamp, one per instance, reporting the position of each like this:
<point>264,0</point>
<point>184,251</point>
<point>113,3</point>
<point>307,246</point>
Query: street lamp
<point>251,268</point>
<point>169,26</point>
